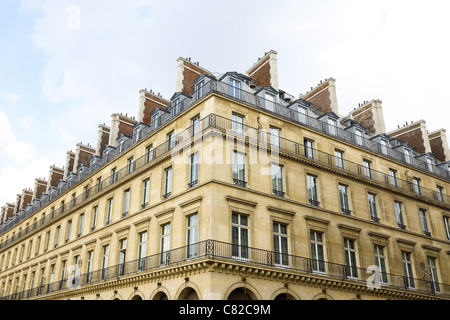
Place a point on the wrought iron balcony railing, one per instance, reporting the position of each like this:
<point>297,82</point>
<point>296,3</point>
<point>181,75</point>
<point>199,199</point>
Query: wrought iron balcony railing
<point>212,249</point>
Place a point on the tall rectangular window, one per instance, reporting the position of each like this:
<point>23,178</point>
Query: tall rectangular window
<point>408,270</point>
<point>440,193</point>
<point>80,225</point>
<point>270,102</point>
<point>380,262</point>
<point>332,126</point>
<point>165,243</point>
<point>393,177</point>
<point>367,168</point>
<point>113,175</point>
<point>277,180</point>
<point>167,182</point>
<point>235,87</point>
<point>317,251</point>
<point>105,253</point>
<point>62,206</point>
<point>69,227</point>
<point>424,222</point>
<point>142,250</point>
<point>447,226</point>
<point>309,148</point>
<point>408,155</point>
<point>399,214</point>
<point>239,169</point>
<point>359,136</point>
<point>434,274</point>
<point>126,202</point>
<point>90,263</point>
<point>122,256</point>
<point>416,183</point>
<point>193,172</point>
<point>94,218</point>
<point>192,235</point>
<point>275,137</point>
<point>109,210</point>
<point>99,184</point>
<point>239,236</point>
<point>384,146</point>
<point>196,125</point>
<point>200,89</point>
<point>38,244</point>
<point>22,250</point>
<point>280,244</point>
<point>146,193</point>
<point>130,165</point>
<point>176,107</point>
<point>313,197</point>
<point>170,140</point>
<point>47,241</point>
<point>343,197</point>
<point>30,246</point>
<point>372,199</point>
<point>237,123</point>
<point>350,258</point>
<point>303,114</point>
<point>339,159</point>
<point>149,153</point>
<point>74,200</point>
<point>430,164</point>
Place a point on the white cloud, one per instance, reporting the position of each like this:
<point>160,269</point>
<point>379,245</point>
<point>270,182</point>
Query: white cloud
<point>12,97</point>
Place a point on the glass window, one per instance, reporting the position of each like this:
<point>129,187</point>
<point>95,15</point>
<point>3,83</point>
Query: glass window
<point>447,226</point>
<point>234,88</point>
<point>408,155</point>
<point>149,153</point>
<point>80,226</point>
<point>384,146</point>
<point>423,221</point>
<point>193,174</point>
<point>407,269</point>
<point>192,235</point>
<point>109,211</point>
<point>277,179</point>
<point>430,164</point>
<point>113,175</point>
<point>399,214</point>
<point>130,165</point>
<point>440,193</point>
<point>275,137</point>
<point>239,236</point>
<point>237,124</point>
<point>393,177</point>
<point>94,218</point>
<point>196,126</point>
<point>303,114</point>
<point>309,148</point>
<point>142,250</point>
<point>122,256</point>
<point>105,253</point>
<point>165,243</point>
<point>416,183</point>
<point>339,159</point>
<point>343,197</point>
<point>170,140</point>
<point>167,183</point>
<point>380,262</point>
<point>239,168</point>
<point>126,202</point>
<point>350,258</point>
<point>69,227</point>
<point>200,89</point>
<point>359,134</point>
<point>146,193</point>
<point>332,126</point>
<point>373,207</point>
<point>434,274</point>
<point>176,107</point>
<point>317,251</point>
<point>47,241</point>
<point>280,244</point>
<point>90,258</point>
<point>367,168</point>
<point>270,102</point>
<point>311,182</point>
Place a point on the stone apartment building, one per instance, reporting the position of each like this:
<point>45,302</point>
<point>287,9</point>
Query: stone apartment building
<point>236,189</point>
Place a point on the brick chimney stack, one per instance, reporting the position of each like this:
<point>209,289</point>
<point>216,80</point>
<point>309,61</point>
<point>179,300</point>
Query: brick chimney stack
<point>370,115</point>
<point>83,155</point>
<point>54,175</point>
<point>102,139</point>
<point>323,96</point>
<point>187,72</point>
<point>40,186</point>
<point>439,145</point>
<point>265,71</point>
<point>70,160</point>
<point>120,124</point>
<point>148,101</point>
<point>415,134</point>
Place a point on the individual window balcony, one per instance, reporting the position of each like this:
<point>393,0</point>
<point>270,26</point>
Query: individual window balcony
<point>313,202</point>
<point>279,193</point>
<point>240,183</point>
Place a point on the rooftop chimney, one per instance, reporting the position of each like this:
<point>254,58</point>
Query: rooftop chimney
<point>324,96</point>
<point>415,134</point>
<point>265,71</point>
<point>54,175</point>
<point>70,160</point>
<point>40,186</point>
<point>102,139</point>
<point>120,124</point>
<point>83,155</point>
<point>147,102</point>
<point>439,145</point>
<point>187,72</point>
<point>370,115</point>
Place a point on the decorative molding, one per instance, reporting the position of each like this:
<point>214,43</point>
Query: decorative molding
<point>241,201</point>
<point>190,201</point>
<point>282,211</point>
<point>167,211</point>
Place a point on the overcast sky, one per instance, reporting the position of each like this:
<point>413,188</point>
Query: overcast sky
<point>66,66</point>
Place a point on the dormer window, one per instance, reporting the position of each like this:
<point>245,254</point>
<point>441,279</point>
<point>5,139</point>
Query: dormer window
<point>176,107</point>
<point>359,136</point>
<point>384,146</point>
<point>332,126</point>
<point>270,102</point>
<point>235,87</point>
<point>430,164</point>
<point>199,89</point>
<point>408,155</point>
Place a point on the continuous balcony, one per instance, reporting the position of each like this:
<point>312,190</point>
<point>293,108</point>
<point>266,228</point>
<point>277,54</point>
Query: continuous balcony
<point>217,251</point>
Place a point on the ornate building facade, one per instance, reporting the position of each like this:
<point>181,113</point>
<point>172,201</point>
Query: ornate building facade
<point>235,189</point>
